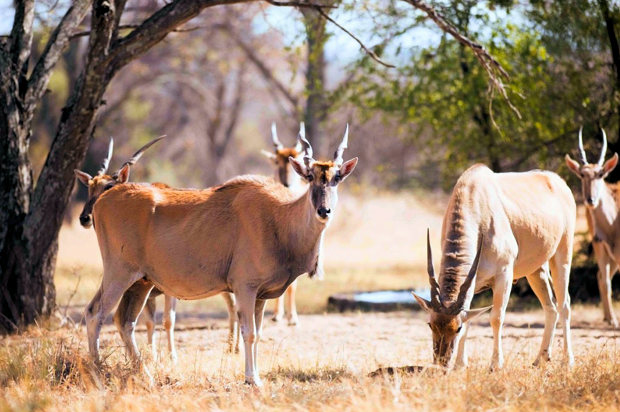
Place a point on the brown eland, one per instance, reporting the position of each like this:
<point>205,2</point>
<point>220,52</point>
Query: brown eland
<point>102,182</point>
<point>249,236</point>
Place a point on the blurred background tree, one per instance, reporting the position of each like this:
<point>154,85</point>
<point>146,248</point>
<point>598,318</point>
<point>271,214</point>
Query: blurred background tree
<point>562,76</point>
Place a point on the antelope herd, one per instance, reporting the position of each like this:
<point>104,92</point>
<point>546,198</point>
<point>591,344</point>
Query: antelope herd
<point>251,237</point>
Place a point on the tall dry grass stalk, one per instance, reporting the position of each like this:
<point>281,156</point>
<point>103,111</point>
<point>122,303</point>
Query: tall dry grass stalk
<point>50,370</point>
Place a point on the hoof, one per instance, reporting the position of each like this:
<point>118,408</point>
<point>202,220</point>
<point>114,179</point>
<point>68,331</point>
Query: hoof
<point>496,366</point>
<point>277,318</point>
<point>460,365</point>
<point>542,358</point>
<point>253,381</point>
<point>294,321</point>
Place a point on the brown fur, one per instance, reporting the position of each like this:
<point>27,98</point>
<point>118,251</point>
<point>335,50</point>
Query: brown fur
<point>324,171</point>
<point>287,177</point>
<point>287,152</point>
<point>248,236</point>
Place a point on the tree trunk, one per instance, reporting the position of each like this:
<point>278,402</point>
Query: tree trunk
<point>29,239</point>
<point>316,103</point>
<point>23,296</point>
<point>614,47</point>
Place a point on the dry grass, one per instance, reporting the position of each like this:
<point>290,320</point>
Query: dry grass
<point>324,363</point>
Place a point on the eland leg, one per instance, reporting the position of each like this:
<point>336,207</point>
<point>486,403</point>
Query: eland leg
<point>539,281</point>
<point>291,307</point>
<point>278,309</point>
<point>116,280</point>
<point>170,316</point>
<point>461,355</point>
<point>126,316</point>
<point>560,271</point>
<point>148,315</point>
<point>259,311</point>
<point>233,323</point>
<point>501,294</point>
<point>606,269</point>
<point>246,304</point>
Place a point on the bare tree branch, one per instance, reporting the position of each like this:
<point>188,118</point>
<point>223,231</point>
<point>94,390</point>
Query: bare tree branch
<point>261,66</point>
<point>493,68</point>
<point>300,4</point>
<point>135,26</point>
<point>369,52</point>
<point>88,32</point>
<point>166,20</point>
<point>21,35</point>
<point>53,50</point>
<point>119,6</point>
<point>235,110</point>
<point>157,26</point>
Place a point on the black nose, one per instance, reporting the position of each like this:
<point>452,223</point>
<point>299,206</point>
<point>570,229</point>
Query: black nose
<point>323,212</point>
<point>84,219</point>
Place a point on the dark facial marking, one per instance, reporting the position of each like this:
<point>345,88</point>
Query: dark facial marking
<point>86,215</point>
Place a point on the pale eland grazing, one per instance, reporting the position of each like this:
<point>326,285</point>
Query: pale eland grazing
<point>498,228</point>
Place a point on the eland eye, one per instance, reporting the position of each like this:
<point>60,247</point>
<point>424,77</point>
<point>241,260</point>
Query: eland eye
<point>459,329</point>
<point>310,178</point>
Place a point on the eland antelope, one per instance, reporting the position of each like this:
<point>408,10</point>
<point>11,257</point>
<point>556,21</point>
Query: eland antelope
<point>102,182</point>
<point>249,236</point>
<point>498,228</point>
<point>285,174</point>
<point>602,206</point>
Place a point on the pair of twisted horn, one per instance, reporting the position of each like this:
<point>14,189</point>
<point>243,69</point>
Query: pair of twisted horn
<point>278,144</point>
<point>582,153</point>
<point>136,156</point>
<point>459,303</point>
<point>308,152</point>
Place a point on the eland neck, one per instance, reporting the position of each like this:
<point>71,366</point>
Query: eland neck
<point>299,229</point>
<point>606,212</point>
<point>458,252</point>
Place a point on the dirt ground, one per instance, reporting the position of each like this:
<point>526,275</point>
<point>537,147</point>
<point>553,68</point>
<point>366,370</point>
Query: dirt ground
<point>363,342</point>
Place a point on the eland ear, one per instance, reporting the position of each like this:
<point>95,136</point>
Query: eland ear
<point>123,174</point>
<point>82,177</point>
<point>269,155</point>
<point>424,304</point>
<point>474,313</point>
<point>610,164</point>
<point>299,168</point>
<point>573,166</point>
<point>347,167</point>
